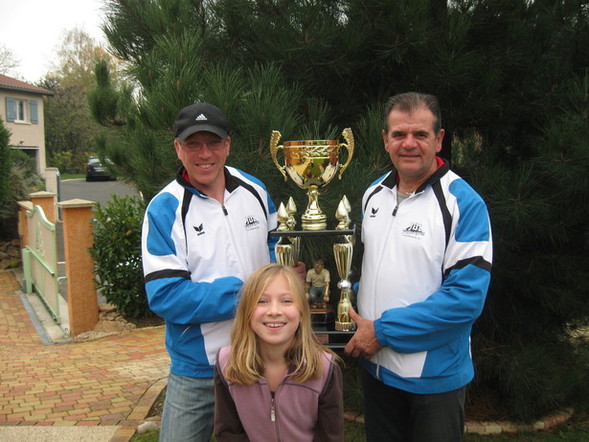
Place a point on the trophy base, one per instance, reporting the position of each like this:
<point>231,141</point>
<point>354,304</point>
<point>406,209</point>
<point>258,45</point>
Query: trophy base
<point>345,326</point>
<point>336,340</point>
<point>314,224</point>
<point>322,316</point>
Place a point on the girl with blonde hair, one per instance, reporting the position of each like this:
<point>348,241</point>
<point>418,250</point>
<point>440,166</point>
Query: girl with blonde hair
<point>276,382</point>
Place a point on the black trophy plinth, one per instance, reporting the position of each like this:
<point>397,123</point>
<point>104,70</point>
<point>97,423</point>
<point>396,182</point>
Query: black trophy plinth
<point>322,316</point>
<point>336,340</point>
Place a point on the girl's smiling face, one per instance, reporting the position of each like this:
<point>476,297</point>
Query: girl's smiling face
<point>277,316</point>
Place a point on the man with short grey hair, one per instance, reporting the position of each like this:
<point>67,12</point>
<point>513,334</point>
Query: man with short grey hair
<point>425,274</point>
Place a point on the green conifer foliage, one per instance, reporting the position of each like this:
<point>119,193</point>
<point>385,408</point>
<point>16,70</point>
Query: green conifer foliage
<point>512,78</point>
<point>4,164</point>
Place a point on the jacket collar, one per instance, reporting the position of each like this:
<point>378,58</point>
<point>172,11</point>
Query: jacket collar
<point>392,178</point>
<point>231,183</point>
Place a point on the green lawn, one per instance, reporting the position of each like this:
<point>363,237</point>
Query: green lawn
<point>69,176</point>
<point>573,431</point>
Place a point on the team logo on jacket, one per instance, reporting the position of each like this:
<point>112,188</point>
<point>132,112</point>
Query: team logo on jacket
<point>414,230</point>
<point>200,230</point>
<point>251,223</point>
<point>373,212</point>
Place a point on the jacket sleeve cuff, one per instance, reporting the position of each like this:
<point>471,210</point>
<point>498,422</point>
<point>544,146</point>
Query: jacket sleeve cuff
<point>380,336</point>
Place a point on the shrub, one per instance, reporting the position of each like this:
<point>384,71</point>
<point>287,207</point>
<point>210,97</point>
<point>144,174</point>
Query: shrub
<point>17,180</point>
<point>64,161</point>
<point>5,166</point>
<point>117,255</point>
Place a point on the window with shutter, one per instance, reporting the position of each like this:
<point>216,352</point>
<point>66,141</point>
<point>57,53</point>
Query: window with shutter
<point>10,109</point>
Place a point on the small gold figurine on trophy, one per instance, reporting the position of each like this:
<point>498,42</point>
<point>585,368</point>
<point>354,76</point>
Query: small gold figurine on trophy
<point>318,279</point>
<point>312,164</point>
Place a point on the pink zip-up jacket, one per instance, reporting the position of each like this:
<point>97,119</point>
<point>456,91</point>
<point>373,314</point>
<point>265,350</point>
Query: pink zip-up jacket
<point>295,412</point>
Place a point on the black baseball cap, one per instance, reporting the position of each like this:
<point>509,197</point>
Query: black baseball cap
<point>200,117</point>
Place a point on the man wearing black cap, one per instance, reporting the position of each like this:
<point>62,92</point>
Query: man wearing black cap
<point>203,234</point>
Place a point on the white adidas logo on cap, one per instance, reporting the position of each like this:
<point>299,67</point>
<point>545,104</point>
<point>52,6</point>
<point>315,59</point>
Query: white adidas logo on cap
<point>201,117</point>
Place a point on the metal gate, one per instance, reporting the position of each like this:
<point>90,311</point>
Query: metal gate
<point>40,261</point>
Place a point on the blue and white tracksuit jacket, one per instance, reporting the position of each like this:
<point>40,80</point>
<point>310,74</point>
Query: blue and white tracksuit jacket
<point>425,275</point>
<point>196,254</point>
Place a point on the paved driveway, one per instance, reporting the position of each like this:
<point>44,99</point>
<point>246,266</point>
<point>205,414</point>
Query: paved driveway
<point>95,391</point>
<point>99,191</point>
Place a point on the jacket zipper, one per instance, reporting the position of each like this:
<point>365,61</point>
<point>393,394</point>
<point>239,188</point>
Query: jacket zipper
<point>377,359</point>
<point>232,236</point>
<point>273,411</point>
<point>396,209</point>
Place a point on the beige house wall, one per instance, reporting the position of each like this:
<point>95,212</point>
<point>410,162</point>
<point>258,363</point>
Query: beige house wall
<point>24,134</point>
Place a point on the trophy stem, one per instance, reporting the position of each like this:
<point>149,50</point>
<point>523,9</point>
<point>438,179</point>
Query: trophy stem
<point>343,321</point>
<point>314,218</point>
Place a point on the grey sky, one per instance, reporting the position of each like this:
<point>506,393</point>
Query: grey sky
<point>33,30</point>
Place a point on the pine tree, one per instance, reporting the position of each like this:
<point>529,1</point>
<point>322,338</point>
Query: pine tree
<point>531,158</point>
<point>512,79</point>
<point>70,130</point>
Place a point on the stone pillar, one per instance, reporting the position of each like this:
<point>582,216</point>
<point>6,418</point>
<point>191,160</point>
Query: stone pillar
<point>52,180</point>
<point>79,265</point>
<point>47,202</point>
<point>23,233</point>
<point>23,222</point>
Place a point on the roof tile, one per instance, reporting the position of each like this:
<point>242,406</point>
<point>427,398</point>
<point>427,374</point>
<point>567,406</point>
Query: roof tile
<point>18,85</point>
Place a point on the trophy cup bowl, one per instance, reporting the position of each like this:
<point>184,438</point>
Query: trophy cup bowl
<point>312,164</point>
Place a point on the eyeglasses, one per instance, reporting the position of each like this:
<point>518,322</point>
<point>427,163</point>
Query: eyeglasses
<point>193,146</point>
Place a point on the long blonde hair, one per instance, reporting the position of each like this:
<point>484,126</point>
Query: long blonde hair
<point>245,365</point>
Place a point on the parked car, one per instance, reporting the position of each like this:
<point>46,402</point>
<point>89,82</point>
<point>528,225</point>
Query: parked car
<point>95,170</point>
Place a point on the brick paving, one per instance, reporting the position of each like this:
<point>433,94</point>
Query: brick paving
<point>110,381</point>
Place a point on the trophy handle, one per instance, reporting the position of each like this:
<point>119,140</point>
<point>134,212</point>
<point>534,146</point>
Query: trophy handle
<point>274,138</point>
<point>349,137</point>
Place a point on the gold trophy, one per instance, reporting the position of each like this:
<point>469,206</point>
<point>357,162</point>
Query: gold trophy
<point>343,252</point>
<point>291,223</point>
<point>312,164</point>
<point>287,248</point>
